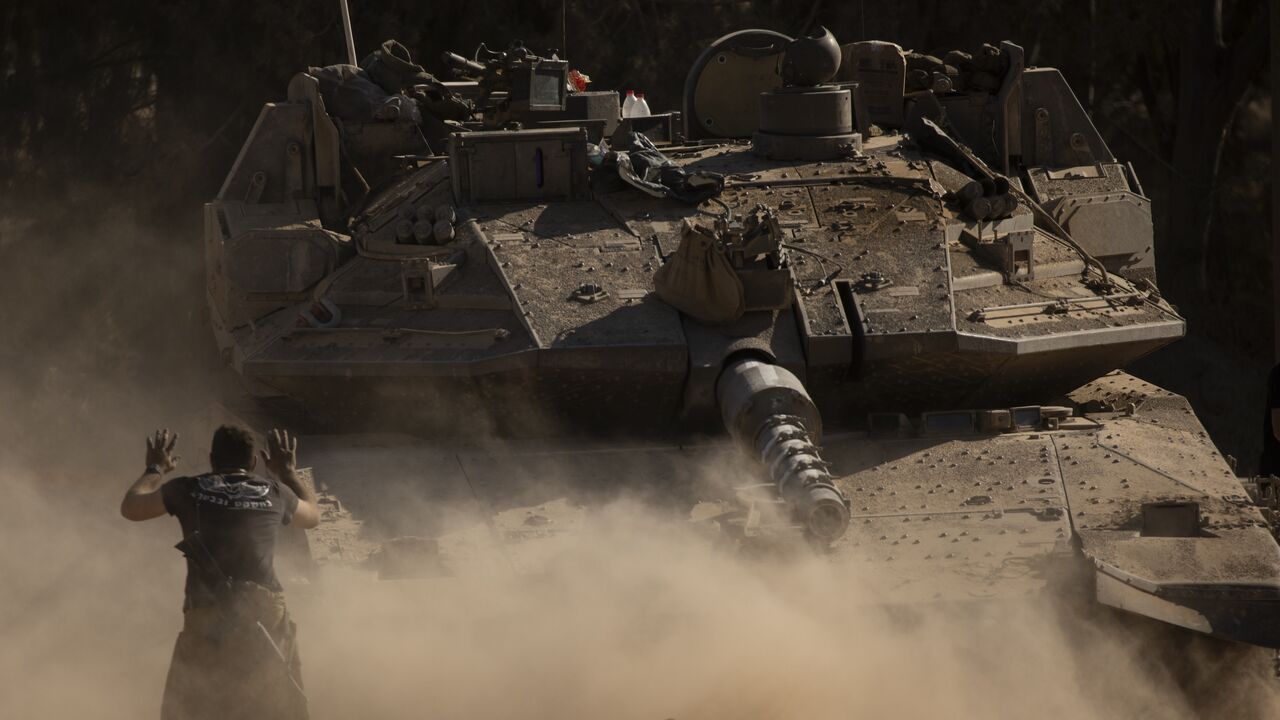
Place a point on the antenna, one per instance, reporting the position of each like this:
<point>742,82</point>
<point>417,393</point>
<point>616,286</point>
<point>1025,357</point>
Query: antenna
<point>346,29</point>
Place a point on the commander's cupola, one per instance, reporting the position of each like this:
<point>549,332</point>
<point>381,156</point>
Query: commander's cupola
<point>808,118</point>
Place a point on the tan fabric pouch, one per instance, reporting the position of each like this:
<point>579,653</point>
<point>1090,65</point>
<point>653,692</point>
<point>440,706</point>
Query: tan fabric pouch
<point>699,281</point>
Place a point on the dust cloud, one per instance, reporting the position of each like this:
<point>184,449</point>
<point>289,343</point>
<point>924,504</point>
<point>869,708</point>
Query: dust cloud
<point>642,618</point>
<point>638,616</point>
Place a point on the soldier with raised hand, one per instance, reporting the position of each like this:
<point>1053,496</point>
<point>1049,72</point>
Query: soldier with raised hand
<point>237,655</point>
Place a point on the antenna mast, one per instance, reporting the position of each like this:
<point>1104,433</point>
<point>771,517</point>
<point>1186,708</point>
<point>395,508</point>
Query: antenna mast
<point>346,29</point>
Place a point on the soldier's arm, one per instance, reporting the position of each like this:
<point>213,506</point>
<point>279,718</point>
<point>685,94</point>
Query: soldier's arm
<point>307,514</point>
<point>143,501</point>
<point>281,460</point>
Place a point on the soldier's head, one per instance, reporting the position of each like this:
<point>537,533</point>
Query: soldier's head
<point>233,449</point>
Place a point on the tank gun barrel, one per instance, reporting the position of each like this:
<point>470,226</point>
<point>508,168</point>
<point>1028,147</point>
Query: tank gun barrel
<point>769,412</point>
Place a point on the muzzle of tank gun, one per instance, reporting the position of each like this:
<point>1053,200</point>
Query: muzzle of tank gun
<point>768,411</point>
<point>462,65</point>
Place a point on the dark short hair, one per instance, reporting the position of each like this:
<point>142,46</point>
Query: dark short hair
<point>233,447</point>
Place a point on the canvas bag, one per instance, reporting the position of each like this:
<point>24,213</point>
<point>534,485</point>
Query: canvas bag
<point>699,281</point>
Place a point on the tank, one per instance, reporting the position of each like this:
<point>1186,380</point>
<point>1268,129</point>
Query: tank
<point>887,297</point>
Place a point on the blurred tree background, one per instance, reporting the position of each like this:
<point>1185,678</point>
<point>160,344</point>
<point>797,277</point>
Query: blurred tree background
<point>118,119</point>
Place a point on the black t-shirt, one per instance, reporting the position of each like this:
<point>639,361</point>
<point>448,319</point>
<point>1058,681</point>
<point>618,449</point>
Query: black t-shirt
<point>238,515</point>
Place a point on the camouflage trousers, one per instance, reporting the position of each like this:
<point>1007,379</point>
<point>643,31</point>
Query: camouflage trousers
<point>225,668</point>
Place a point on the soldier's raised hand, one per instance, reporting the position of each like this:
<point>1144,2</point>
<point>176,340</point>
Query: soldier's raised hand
<point>281,455</point>
<point>160,451</point>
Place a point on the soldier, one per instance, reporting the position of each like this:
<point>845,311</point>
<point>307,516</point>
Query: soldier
<point>236,656</point>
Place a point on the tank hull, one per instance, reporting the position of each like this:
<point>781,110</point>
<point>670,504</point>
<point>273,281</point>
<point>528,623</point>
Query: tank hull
<point>935,518</point>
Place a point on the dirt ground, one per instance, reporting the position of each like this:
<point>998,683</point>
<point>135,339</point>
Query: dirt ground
<point>637,618</point>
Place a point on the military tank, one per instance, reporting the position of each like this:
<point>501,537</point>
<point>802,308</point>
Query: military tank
<point>887,295</point>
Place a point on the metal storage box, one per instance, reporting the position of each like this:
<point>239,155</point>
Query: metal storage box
<point>501,165</point>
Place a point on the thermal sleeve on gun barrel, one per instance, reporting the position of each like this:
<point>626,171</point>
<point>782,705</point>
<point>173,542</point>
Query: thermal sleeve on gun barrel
<point>768,411</point>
